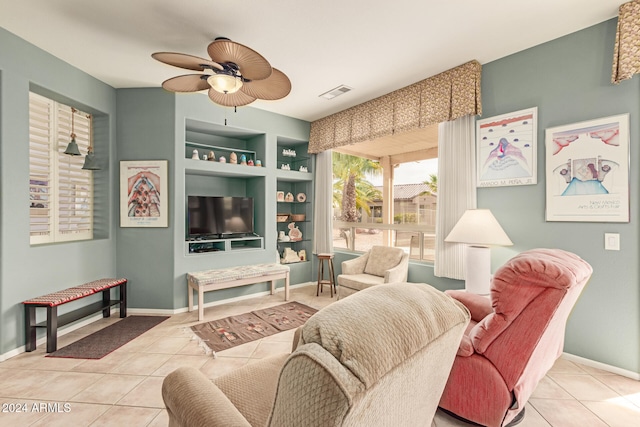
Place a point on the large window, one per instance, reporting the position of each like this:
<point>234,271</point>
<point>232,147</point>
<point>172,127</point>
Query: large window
<point>359,205</point>
<point>60,191</point>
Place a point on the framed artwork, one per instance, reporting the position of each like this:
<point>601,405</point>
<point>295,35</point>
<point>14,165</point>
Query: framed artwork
<point>588,171</point>
<point>506,149</point>
<point>143,193</point>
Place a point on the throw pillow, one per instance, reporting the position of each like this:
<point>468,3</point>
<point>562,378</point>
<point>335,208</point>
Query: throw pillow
<point>381,259</point>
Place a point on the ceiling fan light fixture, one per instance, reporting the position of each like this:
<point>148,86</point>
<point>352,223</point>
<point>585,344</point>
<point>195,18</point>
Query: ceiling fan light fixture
<point>225,83</point>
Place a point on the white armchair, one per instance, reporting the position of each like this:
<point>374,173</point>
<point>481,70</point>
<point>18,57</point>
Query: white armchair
<point>381,264</point>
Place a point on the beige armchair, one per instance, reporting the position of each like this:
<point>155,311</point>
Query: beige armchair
<point>361,361</point>
<point>381,264</point>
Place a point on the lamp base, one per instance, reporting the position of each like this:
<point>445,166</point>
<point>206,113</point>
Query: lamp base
<point>477,269</point>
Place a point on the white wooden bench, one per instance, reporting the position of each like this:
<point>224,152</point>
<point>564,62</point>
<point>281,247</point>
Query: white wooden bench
<point>225,278</point>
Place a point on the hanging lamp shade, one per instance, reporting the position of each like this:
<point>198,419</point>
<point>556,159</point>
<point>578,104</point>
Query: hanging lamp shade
<point>72,148</point>
<point>90,162</point>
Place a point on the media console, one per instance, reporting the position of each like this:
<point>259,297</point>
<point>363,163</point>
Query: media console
<point>225,245</point>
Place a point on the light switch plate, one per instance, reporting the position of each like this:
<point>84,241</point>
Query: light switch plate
<point>611,241</point>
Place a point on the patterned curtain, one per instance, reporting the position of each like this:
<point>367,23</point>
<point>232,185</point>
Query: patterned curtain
<point>626,54</point>
<point>444,97</point>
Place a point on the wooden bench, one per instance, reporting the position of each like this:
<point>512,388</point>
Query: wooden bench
<point>53,300</point>
<point>224,278</point>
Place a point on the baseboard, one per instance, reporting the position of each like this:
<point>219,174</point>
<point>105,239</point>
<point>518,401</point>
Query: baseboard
<point>601,366</point>
<point>133,311</point>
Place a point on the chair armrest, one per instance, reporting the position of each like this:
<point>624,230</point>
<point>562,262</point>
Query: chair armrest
<point>296,339</point>
<point>193,400</point>
<point>479,306</point>
<point>399,272</point>
<point>356,265</point>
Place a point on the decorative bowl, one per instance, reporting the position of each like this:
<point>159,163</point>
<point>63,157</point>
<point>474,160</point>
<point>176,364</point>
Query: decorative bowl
<point>297,217</point>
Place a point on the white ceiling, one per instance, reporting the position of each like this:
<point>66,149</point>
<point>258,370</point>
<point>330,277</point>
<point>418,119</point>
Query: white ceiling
<point>373,46</point>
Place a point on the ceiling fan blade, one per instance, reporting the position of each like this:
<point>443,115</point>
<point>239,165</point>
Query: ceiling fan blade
<point>183,60</point>
<point>187,83</point>
<point>236,99</point>
<point>252,65</point>
<point>276,86</point>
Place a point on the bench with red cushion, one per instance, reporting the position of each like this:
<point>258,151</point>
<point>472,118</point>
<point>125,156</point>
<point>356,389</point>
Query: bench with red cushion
<point>53,300</point>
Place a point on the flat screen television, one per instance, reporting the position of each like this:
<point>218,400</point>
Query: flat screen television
<point>218,217</point>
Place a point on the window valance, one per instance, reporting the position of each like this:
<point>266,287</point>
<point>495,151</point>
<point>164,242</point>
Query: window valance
<point>626,54</point>
<point>444,97</point>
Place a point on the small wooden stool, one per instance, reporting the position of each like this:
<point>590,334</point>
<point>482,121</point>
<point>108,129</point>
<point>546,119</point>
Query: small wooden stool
<point>321,280</point>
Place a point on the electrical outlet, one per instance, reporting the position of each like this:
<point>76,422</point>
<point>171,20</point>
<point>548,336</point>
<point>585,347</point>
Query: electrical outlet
<point>611,241</point>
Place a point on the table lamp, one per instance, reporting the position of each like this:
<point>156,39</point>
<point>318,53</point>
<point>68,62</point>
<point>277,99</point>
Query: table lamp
<point>479,229</point>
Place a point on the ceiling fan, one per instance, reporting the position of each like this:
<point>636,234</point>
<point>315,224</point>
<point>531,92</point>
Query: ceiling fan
<point>236,75</point>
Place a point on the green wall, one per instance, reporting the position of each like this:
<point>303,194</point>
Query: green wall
<point>26,271</point>
<point>145,126</point>
<point>568,79</point>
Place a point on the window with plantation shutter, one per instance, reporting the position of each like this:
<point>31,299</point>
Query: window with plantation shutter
<point>60,191</point>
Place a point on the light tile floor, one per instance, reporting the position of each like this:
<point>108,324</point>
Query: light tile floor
<point>123,388</point>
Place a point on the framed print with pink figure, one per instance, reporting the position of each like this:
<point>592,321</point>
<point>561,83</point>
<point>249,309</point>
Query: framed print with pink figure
<point>507,149</point>
<point>143,193</point>
<point>588,171</point>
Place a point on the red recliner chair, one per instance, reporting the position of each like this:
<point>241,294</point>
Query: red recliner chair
<point>514,338</point>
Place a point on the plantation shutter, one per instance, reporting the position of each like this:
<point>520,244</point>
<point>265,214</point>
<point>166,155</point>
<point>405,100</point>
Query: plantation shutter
<point>40,173</point>
<point>61,191</point>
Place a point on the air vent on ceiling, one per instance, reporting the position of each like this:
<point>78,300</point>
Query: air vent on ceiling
<point>342,89</point>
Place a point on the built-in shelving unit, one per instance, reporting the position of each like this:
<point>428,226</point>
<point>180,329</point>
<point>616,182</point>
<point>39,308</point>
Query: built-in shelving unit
<point>213,178</point>
<point>204,177</point>
<point>296,182</point>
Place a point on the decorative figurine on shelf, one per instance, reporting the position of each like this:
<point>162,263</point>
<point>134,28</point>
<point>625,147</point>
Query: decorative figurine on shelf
<point>222,159</point>
<point>303,169</point>
<point>259,163</point>
<point>195,155</point>
<point>250,162</point>
<point>243,160</point>
<point>295,234</point>
<point>285,167</point>
<point>287,152</point>
<point>301,197</point>
<point>280,196</point>
<point>204,157</point>
<point>288,197</point>
<point>290,256</point>
<point>233,158</point>
<point>211,156</point>
<point>283,237</point>
<point>302,254</point>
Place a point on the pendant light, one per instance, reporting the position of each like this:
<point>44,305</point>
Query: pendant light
<point>90,162</point>
<point>72,148</point>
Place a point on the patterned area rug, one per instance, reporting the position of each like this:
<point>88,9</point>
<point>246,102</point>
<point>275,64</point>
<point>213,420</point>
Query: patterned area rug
<point>100,343</point>
<point>232,331</point>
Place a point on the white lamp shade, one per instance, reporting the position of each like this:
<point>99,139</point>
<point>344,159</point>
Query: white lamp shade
<point>478,227</point>
<point>225,83</point>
